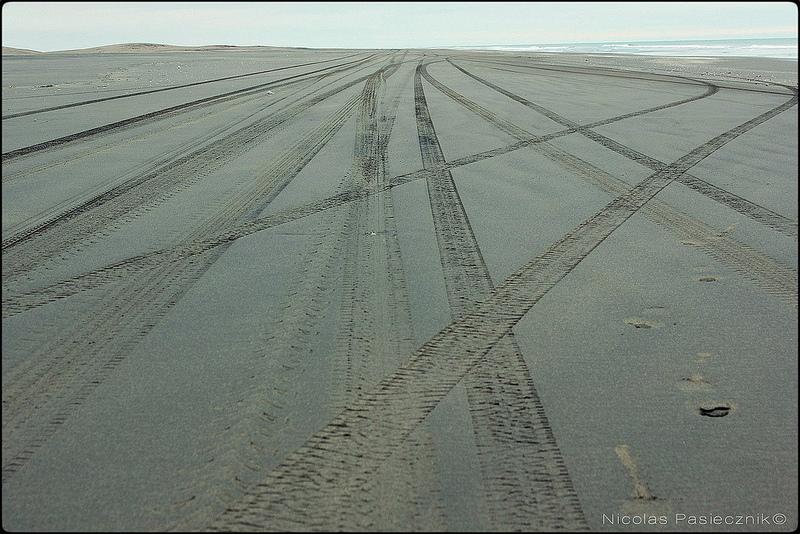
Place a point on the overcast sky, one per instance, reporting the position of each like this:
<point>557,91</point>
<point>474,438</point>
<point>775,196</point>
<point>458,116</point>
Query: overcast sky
<point>67,25</point>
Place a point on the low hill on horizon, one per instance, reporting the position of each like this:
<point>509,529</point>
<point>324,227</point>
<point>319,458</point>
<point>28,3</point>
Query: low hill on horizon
<point>11,51</point>
<point>122,48</point>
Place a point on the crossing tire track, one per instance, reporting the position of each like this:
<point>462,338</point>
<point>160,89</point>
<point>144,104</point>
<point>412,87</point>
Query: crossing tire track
<point>150,167</point>
<point>48,387</point>
<point>297,107</point>
<point>526,482</point>
<point>731,200</point>
<point>24,251</point>
<point>329,257</point>
<point>238,448</point>
<point>375,328</point>
<point>200,114</point>
<point>162,89</point>
<point>14,303</point>
<point>171,111</point>
<point>358,440</point>
<point>765,272</point>
<point>631,75</point>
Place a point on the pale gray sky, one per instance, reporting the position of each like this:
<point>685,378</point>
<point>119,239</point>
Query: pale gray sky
<point>66,25</point>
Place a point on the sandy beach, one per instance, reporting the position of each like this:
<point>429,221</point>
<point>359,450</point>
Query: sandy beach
<point>254,288</point>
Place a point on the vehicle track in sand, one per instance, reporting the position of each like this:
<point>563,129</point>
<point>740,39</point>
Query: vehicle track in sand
<point>166,112</point>
<point>369,429</point>
<point>72,206</point>
<point>375,330</point>
<point>291,340</point>
<point>162,89</point>
<point>26,250</point>
<point>40,222</point>
<point>97,147</point>
<point>721,246</point>
<point>733,201</point>
<point>59,213</point>
<point>9,174</point>
<point>397,496</point>
<point>14,303</point>
<point>526,484</point>
<point>638,75</point>
<point>43,391</point>
<point>765,272</point>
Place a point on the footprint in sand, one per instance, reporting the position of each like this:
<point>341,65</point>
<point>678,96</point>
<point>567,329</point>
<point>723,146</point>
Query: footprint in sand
<point>703,357</point>
<point>638,322</point>
<point>693,242</point>
<point>642,501</point>
<point>695,382</point>
<point>714,409</point>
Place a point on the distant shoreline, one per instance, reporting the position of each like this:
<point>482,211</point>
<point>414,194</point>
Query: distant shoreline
<point>778,48</point>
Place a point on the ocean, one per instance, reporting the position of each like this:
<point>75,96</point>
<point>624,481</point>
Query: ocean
<point>776,48</point>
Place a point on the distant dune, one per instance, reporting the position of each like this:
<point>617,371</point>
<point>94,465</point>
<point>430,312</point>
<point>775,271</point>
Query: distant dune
<point>127,47</point>
<point>9,51</point>
<point>131,48</point>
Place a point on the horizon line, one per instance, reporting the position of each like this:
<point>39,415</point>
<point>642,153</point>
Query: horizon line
<point>399,47</point>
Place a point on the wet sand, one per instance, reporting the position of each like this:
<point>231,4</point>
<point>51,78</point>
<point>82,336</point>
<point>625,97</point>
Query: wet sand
<point>290,289</point>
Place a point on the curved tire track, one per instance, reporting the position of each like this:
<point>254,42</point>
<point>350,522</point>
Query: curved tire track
<point>100,145</point>
<point>731,200</point>
<point>362,436</point>
<point>736,254</point>
<point>630,74</point>
<point>765,272</point>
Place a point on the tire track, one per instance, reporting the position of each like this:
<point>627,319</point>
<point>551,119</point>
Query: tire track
<point>376,328</point>
<point>290,342</point>
<point>527,484</point>
<point>8,242</point>
<point>170,111</point>
<point>43,391</point>
<point>710,90</point>
<point>21,236</point>
<point>765,272</point>
<point>204,112</point>
<point>17,303</point>
<point>239,448</point>
<point>24,251</point>
<point>150,166</point>
<point>362,436</point>
<point>731,200</point>
<point>533,140</point>
<point>214,110</point>
<point>631,75</point>
<point>162,89</point>
<point>365,173</point>
<point>366,145</point>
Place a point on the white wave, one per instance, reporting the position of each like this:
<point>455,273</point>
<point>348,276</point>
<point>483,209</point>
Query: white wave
<point>674,49</point>
<point>785,47</point>
<point>698,47</point>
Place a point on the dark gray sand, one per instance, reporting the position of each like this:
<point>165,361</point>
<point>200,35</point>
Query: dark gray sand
<point>271,289</point>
